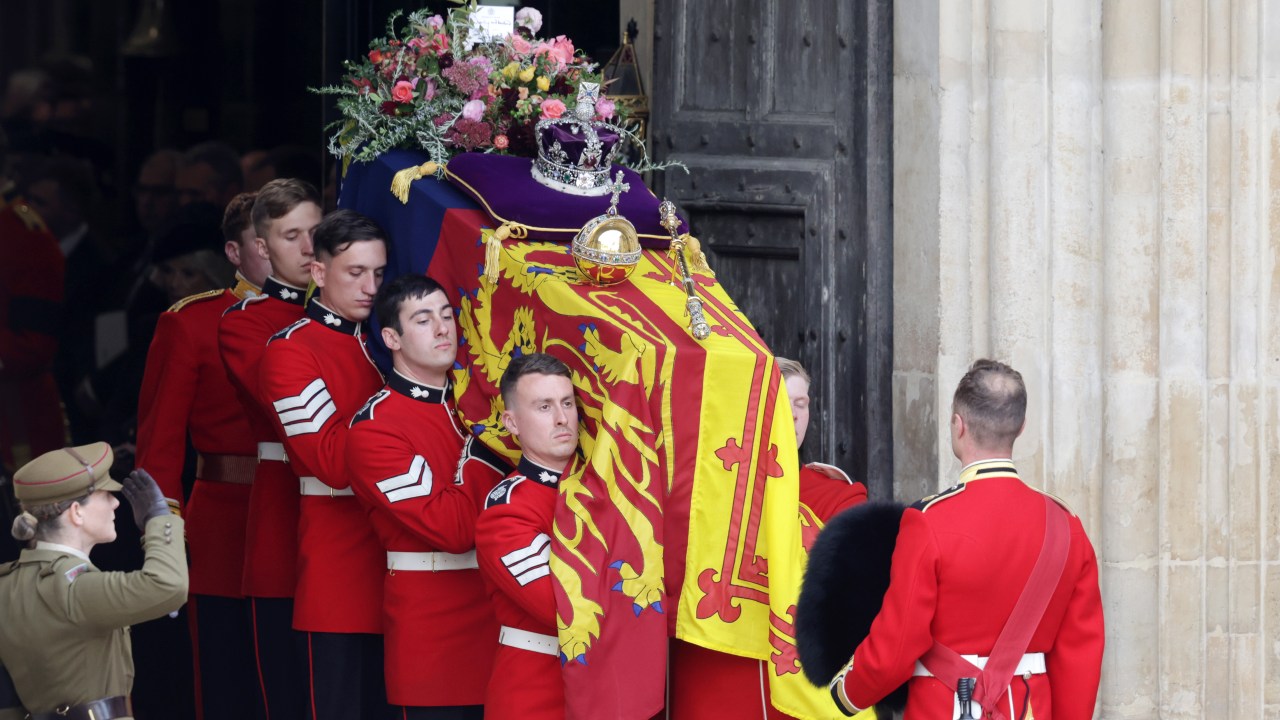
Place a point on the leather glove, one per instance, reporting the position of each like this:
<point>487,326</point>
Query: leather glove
<point>144,497</point>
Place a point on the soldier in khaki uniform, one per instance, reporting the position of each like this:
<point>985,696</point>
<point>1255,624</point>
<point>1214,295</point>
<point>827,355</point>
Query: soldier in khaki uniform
<point>64,624</point>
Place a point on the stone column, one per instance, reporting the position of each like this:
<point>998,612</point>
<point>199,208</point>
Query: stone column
<point>1084,189</point>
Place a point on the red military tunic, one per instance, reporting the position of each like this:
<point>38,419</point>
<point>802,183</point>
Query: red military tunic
<point>513,546</point>
<point>403,454</point>
<point>31,294</point>
<point>271,537</point>
<point>961,562</point>
<point>827,490</point>
<point>706,683</point>
<point>186,392</point>
<point>318,374</point>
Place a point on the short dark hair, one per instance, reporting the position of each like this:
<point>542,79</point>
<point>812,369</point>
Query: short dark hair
<point>221,157</point>
<point>393,294</point>
<point>531,364</point>
<point>992,399</point>
<point>236,217</point>
<point>278,198</point>
<point>340,228</point>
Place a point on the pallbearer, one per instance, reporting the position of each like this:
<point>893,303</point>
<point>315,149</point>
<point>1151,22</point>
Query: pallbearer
<point>186,394</point>
<point>403,453</point>
<point>513,540</point>
<point>285,215</point>
<point>317,374</point>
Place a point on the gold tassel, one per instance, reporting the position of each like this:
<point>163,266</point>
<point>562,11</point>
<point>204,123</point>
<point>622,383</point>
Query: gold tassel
<point>402,180</point>
<point>493,247</point>
<point>696,258</point>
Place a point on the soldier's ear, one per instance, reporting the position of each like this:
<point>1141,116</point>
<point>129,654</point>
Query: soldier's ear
<point>391,338</point>
<point>260,246</point>
<point>509,422</point>
<point>232,249</point>
<point>317,273</point>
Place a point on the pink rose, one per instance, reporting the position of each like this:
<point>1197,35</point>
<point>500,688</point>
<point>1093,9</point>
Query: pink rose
<point>402,92</point>
<point>552,109</point>
<point>419,42</point>
<point>605,108</point>
<point>473,110</point>
<point>530,18</point>
<point>562,50</point>
<point>501,142</point>
<point>520,45</point>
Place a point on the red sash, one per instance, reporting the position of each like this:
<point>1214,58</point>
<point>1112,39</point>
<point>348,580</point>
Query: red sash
<point>948,666</point>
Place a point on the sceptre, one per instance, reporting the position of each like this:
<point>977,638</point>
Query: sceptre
<point>693,304</point>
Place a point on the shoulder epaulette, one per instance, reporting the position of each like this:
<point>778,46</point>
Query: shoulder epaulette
<point>8,567</point>
<point>1055,498</point>
<point>928,501</point>
<point>286,332</point>
<point>366,412</point>
<point>190,299</point>
<point>501,493</point>
<point>242,304</point>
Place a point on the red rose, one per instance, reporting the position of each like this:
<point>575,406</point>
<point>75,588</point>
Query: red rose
<point>375,56</point>
<point>402,91</point>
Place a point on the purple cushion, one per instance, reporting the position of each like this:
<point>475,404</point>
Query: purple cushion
<point>502,185</point>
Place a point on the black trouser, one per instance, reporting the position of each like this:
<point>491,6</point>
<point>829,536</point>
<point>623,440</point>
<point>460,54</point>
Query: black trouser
<point>447,712</point>
<point>347,679</point>
<point>224,648</point>
<point>280,654</point>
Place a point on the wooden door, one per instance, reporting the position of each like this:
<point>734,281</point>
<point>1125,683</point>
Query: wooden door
<point>782,113</point>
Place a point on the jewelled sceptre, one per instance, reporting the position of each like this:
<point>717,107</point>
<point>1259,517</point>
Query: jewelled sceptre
<point>693,304</point>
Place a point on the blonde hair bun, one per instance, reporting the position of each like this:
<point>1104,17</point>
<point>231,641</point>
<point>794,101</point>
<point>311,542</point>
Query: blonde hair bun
<point>24,526</point>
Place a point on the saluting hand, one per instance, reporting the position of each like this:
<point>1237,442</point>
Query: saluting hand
<point>144,497</point>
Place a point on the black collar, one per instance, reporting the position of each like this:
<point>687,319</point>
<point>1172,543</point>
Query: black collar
<point>324,317</point>
<point>418,391</point>
<point>538,473</point>
<point>281,291</point>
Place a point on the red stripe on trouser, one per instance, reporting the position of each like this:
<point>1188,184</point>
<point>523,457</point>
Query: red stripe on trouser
<point>257,658</point>
<point>311,676</point>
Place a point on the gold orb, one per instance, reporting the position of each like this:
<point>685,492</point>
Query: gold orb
<point>606,250</point>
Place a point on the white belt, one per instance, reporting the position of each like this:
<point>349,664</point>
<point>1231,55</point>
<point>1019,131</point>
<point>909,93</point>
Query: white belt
<point>430,561</point>
<point>272,451</point>
<point>309,485</point>
<point>1031,663</point>
<point>531,641</point>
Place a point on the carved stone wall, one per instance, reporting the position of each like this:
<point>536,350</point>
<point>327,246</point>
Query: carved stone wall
<point>1087,190</point>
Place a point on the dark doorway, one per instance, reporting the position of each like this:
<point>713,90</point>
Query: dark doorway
<point>783,114</point>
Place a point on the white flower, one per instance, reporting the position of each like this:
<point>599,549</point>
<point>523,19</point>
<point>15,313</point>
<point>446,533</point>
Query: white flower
<point>473,110</point>
<point>530,18</point>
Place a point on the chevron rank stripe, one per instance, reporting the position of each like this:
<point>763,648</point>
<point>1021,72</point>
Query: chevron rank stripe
<point>530,563</point>
<point>414,483</point>
<point>307,411</point>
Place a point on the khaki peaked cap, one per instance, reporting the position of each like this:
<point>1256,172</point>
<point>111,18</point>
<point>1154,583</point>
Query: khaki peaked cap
<point>65,474</point>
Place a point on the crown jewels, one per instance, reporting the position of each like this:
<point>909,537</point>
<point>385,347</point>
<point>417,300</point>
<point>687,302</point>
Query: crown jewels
<point>575,152</point>
<point>607,249</point>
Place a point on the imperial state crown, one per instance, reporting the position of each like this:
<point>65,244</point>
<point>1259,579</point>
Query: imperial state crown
<point>576,152</point>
